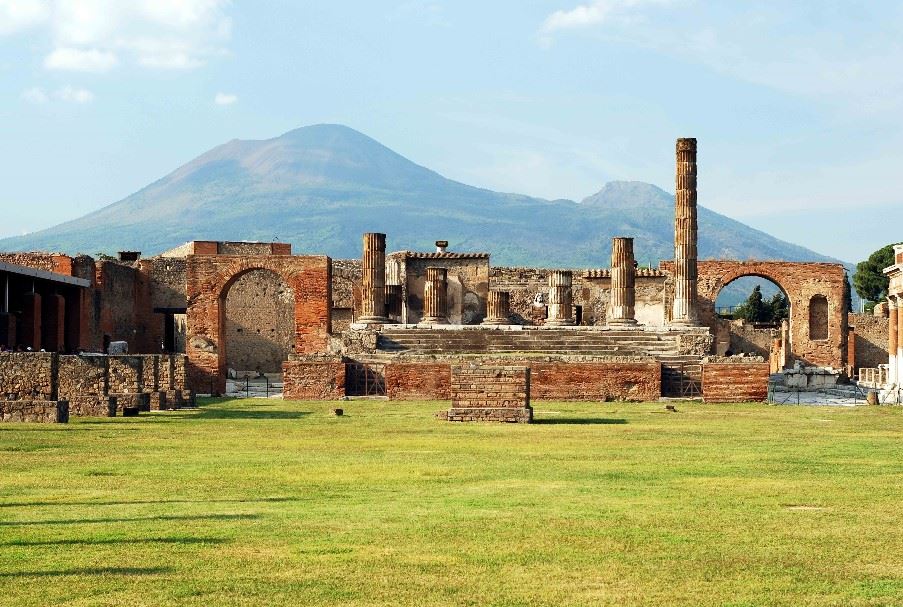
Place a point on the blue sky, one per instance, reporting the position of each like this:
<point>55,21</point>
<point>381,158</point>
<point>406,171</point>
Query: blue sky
<point>797,106</point>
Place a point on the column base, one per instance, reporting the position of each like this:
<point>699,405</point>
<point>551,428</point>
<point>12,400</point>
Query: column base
<point>372,320</point>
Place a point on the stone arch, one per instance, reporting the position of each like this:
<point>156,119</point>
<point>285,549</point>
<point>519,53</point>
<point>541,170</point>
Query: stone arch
<point>800,281</point>
<point>738,337</point>
<point>257,307</point>
<point>209,278</point>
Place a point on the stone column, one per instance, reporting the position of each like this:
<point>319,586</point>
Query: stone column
<point>498,308</point>
<point>561,310</point>
<point>684,311</point>
<point>435,297</point>
<point>899,358</point>
<point>621,307</point>
<point>373,280</point>
<point>892,339</point>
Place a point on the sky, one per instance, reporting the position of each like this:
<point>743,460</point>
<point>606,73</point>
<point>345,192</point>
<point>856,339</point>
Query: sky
<point>796,106</point>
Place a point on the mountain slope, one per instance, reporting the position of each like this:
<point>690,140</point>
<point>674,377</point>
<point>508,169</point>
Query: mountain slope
<point>320,187</point>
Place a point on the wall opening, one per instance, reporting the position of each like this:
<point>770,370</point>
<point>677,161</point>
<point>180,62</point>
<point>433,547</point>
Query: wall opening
<point>259,323</point>
<point>749,312</point>
<point>818,317</point>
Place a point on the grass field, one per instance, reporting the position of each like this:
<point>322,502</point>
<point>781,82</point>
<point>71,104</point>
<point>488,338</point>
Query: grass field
<point>279,503</point>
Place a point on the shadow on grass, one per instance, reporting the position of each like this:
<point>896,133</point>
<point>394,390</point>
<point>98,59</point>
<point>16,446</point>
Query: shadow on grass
<point>263,500</point>
<point>163,517</point>
<point>90,571</point>
<point>582,420</point>
<point>111,541</point>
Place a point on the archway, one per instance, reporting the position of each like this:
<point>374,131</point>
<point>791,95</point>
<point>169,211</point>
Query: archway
<point>258,323</point>
<point>750,314</point>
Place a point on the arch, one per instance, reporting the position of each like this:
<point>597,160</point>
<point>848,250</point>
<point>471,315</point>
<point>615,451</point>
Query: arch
<point>258,322</point>
<point>209,279</point>
<point>766,295</point>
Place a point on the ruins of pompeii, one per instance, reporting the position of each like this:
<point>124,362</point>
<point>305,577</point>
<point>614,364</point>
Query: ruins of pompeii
<point>233,317</point>
<point>262,424</point>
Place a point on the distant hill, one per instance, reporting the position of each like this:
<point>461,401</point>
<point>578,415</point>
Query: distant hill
<point>320,187</point>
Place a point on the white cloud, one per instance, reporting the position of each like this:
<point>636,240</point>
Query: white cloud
<point>594,13</point>
<point>80,60</point>
<point>17,15</point>
<point>74,95</point>
<point>35,95</point>
<point>96,35</point>
<point>225,99</point>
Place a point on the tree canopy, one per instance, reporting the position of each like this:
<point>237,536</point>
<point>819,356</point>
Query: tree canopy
<point>757,309</point>
<point>869,281</point>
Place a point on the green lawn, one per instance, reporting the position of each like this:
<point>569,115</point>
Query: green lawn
<point>280,503</point>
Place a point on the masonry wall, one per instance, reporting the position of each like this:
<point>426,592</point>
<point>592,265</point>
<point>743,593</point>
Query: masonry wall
<point>346,293</point>
<point>418,381</point>
<point>42,411</point>
<point>468,285</point>
<point>260,323</point>
<point>734,382</point>
<point>314,380</point>
<point>602,381</point>
<point>871,340</point>
<point>28,375</point>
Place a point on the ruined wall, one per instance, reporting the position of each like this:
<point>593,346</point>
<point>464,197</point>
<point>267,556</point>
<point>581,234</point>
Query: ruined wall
<point>468,284</point>
<point>871,340</point>
<point>602,381</point>
<point>28,375</point>
<point>313,379</point>
<point>734,382</point>
<point>801,282</point>
<point>209,278</point>
<point>40,411</point>
<point>260,323</point>
<point>346,293</point>
<point>745,338</point>
<point>490,393</point>
<point>418,381</point>
<point>126,375</point>
<point>115,303</point>
<point>591,292</point>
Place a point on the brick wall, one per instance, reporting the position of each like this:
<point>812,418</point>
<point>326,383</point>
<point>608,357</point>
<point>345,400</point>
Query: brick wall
<point>260,330</point>
<point>734,382</point>
<point>640,381</point>
<point>313,380</point>
<point>489,393</point>
<point>418,381</point>
<point>871,340</point>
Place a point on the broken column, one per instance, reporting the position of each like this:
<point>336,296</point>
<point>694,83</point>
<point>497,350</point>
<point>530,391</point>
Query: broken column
<point>621,307</point>
<point>685,234</point>
<point>498,308</point>
<point>560,298</point>
<point>435,293</point>
<point>373,280</point>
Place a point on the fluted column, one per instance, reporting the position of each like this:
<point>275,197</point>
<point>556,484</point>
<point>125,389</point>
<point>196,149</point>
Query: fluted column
<point>435,296</point>
<point>498,305</point>
<point>373,280</point>
<point>561,312</point>
<point>622,305</point>
<point>684,310</point>
<point>893,339</point>
<point>899,358</point>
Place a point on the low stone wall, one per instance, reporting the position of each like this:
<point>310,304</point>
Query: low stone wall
<point>482,393</point>
<point>734,382</point>
<point>316,379</point>
<point>126,374</point>
<point>600,381</point>
<point>871,340</point>
<point>82,376</point>
<point>41,411</point>
<point>28,375</point>
<point>92,406</point>
<point>418,381</point>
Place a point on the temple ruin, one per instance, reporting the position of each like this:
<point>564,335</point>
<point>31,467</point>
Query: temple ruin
<point>408,324</point>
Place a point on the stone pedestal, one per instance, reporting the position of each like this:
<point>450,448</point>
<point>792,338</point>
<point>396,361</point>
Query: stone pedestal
<point>498,308</point>
<point>621,307</point>
<point>373,280</point>
<point>435,297</point>
<point>492,394</point>
<point>561,309</point>
<point>684,311</point>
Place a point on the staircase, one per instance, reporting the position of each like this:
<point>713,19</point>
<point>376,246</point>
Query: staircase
<point>545,341</point>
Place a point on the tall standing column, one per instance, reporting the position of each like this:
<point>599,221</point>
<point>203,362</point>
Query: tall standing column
<point>498,308</point>
<point>684,310</point>
<point>622,305</point>
<point>561,311</point>
<point>898,362</point>
<point>435,296</point>
<point>892,339</point>
<point>373,280</point>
